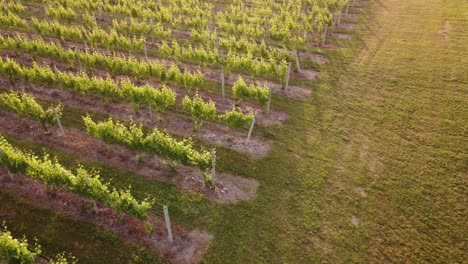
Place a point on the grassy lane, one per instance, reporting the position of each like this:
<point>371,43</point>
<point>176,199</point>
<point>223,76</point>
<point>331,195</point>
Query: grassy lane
<point>373,168</point>
<point>401,168</point>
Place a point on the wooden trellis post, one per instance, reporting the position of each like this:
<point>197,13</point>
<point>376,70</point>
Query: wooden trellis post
<point>251,128</point>
<point>168,224</point>
<point>339,16</point>
<point>57,75</point>
<point>287,76</point>
<point>298,65</point>
<point>59,124</point>
<point>325,31</point>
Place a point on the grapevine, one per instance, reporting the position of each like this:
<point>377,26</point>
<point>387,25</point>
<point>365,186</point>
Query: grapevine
<point>85,183</point>
<point>200,110</point>
<point>15,250</point>
<point>26,105</point>
<point>155,142</point>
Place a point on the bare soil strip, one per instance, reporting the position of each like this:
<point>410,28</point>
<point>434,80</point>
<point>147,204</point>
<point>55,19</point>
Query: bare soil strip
<point>171,122</point>
<point>315,57</point>
<point>347,25</point>
<point>228,189</point>
<point>275,116</point>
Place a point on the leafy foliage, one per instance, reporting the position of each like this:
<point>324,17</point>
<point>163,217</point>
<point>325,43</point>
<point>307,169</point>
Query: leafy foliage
<point>241,89</point>
<point>106,88</point>
<point>199,109</point>
<point>85,183</point>
<point>26,105</point>
<point>237,119</point>
<point>155,142</point>
<point>14,250</point>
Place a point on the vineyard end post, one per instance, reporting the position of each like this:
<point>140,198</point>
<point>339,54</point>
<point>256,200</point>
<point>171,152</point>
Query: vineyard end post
<point>269,101</point>
<point>298,65</point>
<point>59,124</point>
<point>339,16</point>
<point>324,35</point>
<point>168,224</point>
<point>249,135</point>
<point>288,76</point>
<point>150,111</point>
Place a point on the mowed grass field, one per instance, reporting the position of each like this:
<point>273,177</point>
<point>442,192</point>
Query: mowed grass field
<point>372,169</point>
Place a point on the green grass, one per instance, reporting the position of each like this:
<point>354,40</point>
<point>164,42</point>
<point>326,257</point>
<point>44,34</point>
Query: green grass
<point>388,116</point>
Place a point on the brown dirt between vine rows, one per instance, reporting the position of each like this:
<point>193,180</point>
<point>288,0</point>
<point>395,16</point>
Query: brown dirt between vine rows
<point>274,117</point>
<point>188,246</point>
<point>352,16</point>
<point>173,122</point>
<point>229,188</point>
<point>328,45</point>
<point>346,25</point>
<point>169,122</point>
<point>294,92</point>
<point>305,74</point>
<point>315,57</point>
